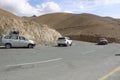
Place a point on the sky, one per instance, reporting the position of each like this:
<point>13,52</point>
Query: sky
<point>109,8</point>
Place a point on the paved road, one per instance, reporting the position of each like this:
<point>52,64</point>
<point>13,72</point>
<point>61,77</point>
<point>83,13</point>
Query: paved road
<point>82,61</point>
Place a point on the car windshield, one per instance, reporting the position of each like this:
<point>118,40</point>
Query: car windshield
<point>63,38</point>
<point>67,37</point>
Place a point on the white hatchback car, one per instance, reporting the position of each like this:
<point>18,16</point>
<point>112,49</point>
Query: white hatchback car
<point>64,41</point>
<point>16,41</point>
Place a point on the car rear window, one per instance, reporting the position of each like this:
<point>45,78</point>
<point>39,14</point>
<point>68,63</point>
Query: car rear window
<point>61,38</point>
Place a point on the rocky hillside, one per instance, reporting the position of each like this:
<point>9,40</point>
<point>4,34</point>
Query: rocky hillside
<point>40,33</point>
<point>86,27</point>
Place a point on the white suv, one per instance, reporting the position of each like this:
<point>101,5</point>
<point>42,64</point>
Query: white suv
<point>16,41</point>
<point>64,41</point>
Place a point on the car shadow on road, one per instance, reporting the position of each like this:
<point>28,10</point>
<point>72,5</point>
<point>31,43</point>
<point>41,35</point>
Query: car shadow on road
<point>59,46</point>
<point>1,47</point>
<point>100,44</point>
<point>117,54</point>
<point>15,48</point>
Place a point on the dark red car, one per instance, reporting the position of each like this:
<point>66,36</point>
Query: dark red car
<point>102,41</point>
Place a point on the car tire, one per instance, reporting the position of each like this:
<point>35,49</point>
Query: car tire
<point>8,46</point>
<point>59,45</point>
<point>67,44</point>
<point>30,46</point>
<point>71,44</point>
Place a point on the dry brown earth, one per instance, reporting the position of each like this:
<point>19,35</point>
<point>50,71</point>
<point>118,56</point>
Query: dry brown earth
<point>86,27</point>
<point>40,33</point>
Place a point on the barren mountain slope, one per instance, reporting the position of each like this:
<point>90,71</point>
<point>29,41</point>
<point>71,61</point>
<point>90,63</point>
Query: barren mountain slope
<point>7,14</point>
<point>87,27</point>
<point>42,34</point>
<point>52,19</point>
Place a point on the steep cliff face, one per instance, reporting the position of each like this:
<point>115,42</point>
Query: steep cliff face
<point>42,34</point>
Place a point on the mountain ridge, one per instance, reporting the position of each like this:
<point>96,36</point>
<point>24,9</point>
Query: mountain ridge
<point>85,26</point>
<point>82,24</point>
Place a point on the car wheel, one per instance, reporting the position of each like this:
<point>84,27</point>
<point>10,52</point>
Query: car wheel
<point>59,45</point>
<point>71,44</point>
<point>30,46</point>
<point>67,44</point>
<point>105,43</point>
<point>8,46</point>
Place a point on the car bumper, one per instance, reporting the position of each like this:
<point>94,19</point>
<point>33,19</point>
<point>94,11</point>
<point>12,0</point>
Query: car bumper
<point>103,43</point>
<point>34,44</point>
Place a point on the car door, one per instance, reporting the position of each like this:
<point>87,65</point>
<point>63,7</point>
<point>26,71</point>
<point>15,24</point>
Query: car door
<point>23,41</point>
<point>15,41</point>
